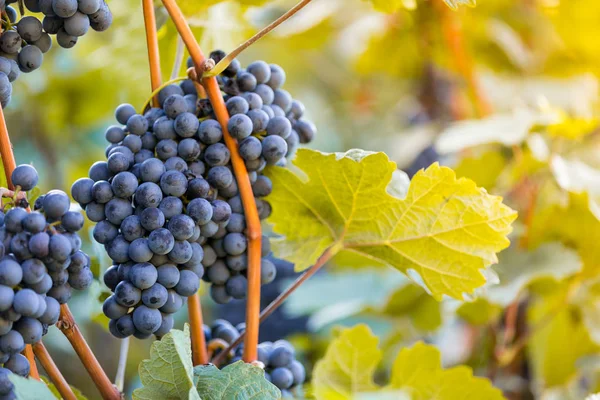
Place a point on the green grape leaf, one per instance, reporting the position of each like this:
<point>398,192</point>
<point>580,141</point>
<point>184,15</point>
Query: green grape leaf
<point>455,3</point>
<point>446,229</point>
<point>348,366</point>
<point>169,373</point>
<point>30,389</point>
<point>387,6</point>
<point>236,381</point>
<point>346,372</point>
<point>418,371</point>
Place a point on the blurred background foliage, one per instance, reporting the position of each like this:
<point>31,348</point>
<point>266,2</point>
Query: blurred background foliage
<point>506,93</point>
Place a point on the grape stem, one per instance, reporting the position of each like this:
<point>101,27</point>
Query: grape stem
<point>33,371</point>
<point>152,43</point>
<point>274,305</point>
<point>464,64</point>
<point>69,328</point>
<point>53,372</point>
<point>199,355</point>
<point>122,365</point>
<point>224,63</point>
<point>254,232</point>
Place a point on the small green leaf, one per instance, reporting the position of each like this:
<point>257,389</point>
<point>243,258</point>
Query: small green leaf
<point>30,389</point>
<point>236,381</point>
<point>418,371</point>
<point>169,373</point>
<point>348,366</point>
<point>446,229</point>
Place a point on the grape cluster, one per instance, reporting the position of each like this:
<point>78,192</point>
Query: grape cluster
<point>279,358</point>
<point>40,263</point>
<point>167,204</point>
<point>23,43</point>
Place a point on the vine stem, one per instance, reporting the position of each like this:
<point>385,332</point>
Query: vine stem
<point>152,42</point>
<point>6,151</point>
<point>224,63</point>
<point>454,38</point>
<point>33,371</point>
<point>199,354</point>
<point>275,304</point>
<point>241,174</point>
<point>69,328</point>
<point>120,375</point>
<point>53,372</point>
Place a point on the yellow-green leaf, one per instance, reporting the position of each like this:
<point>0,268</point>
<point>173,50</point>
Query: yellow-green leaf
<point>346,372</point>
<point>479,312</point>
<point>348,366</point>
<point>558,340</point>
<point>418,372</point>
<point>169,373</point>
<point>446,229</point>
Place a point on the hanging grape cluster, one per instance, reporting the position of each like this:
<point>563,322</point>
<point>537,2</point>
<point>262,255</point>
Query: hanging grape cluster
<point>41,262</point>
<point>279,358</point>
<point>166,201</point>
<point>24,42</point>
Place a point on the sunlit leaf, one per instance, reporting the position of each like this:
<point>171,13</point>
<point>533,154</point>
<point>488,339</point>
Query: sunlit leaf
<point>418,372</point>
<point>446,229</point>
<point>346,372</point>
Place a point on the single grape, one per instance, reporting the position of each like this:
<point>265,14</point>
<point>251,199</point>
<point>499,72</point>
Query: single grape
<point>261,70</point>
<point>188,283</point>
<point>65,40</point>
<point>173,183</point>
<point>240,126</point>
<point>237,287</point>
<point>101,19</point>
<point>210,131</point>
<point>168,275</point>
<point>143,275</point>
<point>200,210</point>
<point>161,241</point>
<point>18,364</point>
<point>266,93</point>
<point>77,24</point>
<point>268,271</point>
<point>174,302</point>
<point>127,295</point>
<point>146,320</point>
<point>25,176</point>
<point>237,105</point>
<point>181,252</point>
<point>279,126</point>
<point>219,177</point>
<point>186,124</point>
<point>273,148</point>
<point>255,102</point>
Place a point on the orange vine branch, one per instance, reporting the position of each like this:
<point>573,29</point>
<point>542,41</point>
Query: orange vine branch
<point>53,372</point>
<point>224,63</point>
<point>69,328</point>
<point>275,304</point>
<point>453,35</point>
<point>152,42</point>
<point>241,174</point>
<point>199,354</point>
<point>33,371</point>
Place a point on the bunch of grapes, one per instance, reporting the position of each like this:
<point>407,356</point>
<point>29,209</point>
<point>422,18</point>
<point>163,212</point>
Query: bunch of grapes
<point>23,43</point>
<point>40,263</point>
<point>167,204</point>
<point>279,358</point>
